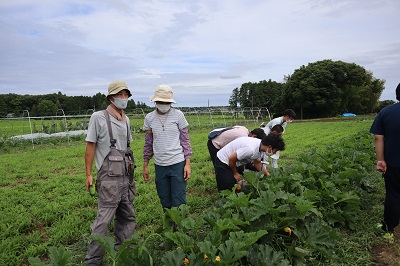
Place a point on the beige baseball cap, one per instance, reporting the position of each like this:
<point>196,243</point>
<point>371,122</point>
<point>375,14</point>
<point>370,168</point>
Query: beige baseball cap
<point>163,93</point>
<point>117,86</point>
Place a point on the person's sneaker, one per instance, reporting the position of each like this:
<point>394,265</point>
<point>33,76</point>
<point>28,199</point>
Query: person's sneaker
<point>389,237</point>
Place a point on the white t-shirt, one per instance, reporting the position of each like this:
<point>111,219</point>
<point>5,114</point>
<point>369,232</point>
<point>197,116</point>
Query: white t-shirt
<point>246,148</point>
<point>274,122</point>
<point>267,130</point>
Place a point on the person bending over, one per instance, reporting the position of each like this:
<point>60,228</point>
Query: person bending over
<point>241,151</point>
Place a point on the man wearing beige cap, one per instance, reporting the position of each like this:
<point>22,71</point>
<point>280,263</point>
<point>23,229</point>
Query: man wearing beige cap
<point>167,141</point>
<point>107,143</point>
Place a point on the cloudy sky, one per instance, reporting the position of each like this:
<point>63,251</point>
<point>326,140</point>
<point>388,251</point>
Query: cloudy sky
<point>203,49</point>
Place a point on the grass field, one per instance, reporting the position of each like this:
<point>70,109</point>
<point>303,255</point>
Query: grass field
<point>43,201</point>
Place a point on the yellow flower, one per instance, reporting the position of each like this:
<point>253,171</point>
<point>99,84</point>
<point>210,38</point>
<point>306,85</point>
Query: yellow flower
<point>288,230</point>
<point>205,257</point>
<point>217,259</point>
<point>185,261</point>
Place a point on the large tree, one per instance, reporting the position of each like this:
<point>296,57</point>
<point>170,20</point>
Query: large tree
<point>261,94</point>
<point>328,88</point>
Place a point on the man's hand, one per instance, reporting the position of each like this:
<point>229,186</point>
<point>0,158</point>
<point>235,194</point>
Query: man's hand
<point>381,166</point>
<point>89,181</point>
<point>237,177</point>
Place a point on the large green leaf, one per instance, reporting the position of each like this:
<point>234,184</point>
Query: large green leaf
<point>231,251</point>
<point>211,217</point>
<point>176,214</point>
<point>181,240</point>
<point>173,258</point>
<point>316,234</point>
<point>214,236</point>
<point>237,200</point>
<point>247,239</point>
<point>208,248</point>
<point>265,255</point>
<point>190,223</point>
<point>229,224</point>
<point>58,257</point>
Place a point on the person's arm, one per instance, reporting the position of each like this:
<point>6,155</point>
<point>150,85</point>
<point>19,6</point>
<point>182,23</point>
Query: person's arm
<point>89,158</point>
<point>147,153</point>
<point>379,149</point>
<point>187,152</point>
<point>258,165</point>
<point>232,164</point>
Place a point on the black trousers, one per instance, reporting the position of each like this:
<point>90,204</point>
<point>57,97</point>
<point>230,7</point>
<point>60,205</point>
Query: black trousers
<point>212,150</point>
<point>391,213</point>
<point>224,175</point>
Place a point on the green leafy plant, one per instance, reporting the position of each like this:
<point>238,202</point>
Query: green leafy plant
<point>58,257</point>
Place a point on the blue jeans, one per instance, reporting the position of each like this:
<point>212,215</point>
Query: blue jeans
<point>170,184</point>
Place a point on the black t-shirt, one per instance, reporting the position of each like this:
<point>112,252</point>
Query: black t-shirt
<point>387,123</point>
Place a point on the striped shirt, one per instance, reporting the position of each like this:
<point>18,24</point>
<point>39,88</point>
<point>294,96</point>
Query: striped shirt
<point>167,148</point>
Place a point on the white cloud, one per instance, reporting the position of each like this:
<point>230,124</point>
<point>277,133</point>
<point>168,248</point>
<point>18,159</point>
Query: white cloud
<point>203,49</point>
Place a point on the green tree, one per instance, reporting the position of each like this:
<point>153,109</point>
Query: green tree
<point>15,103</point>
<point>261,94</point>
<point>99,101</point>
<point>328,88</point>
<point>234,98</point>
<point>45,108</point>
<point>3,108</point>
<point>383,104</point>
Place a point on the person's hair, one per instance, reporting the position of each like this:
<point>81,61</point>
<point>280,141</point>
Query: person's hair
<point>290,113</point>
<point>259,132</point>
<point>274,140</point>
<point>277,128</point>
<point>398,92</point>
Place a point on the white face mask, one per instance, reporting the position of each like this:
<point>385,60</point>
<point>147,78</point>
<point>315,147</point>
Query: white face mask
<point>269,153</point>
<point>120,103</point>
<point>163,108</point>
<point>289,121</point>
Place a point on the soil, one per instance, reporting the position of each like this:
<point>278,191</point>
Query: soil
<point>387,254</point>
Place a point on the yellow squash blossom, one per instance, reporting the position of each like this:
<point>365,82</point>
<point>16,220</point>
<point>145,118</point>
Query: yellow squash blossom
<point>185,261</point>
<point>217,259</point>
<point>205,257</point>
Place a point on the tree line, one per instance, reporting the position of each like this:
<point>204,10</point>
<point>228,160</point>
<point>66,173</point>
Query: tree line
<point>321,89</point>
<point>50,104</point>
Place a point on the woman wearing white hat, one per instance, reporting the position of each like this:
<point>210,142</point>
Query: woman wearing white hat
<point>167,140</point>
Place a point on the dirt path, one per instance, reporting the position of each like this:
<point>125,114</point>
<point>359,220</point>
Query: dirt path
<point>386,254</point>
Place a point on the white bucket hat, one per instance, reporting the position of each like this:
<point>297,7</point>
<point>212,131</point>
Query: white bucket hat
<point>163,93</point>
